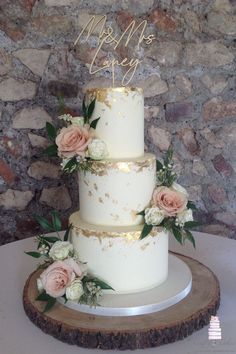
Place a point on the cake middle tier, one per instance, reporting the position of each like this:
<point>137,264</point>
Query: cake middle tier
<point>113,192</point>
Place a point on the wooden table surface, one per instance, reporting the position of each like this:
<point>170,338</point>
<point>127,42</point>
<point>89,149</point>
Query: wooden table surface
<point>19,336</point>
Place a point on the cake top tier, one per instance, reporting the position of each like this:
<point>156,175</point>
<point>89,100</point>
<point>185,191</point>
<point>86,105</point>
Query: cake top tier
<point>121,123</point>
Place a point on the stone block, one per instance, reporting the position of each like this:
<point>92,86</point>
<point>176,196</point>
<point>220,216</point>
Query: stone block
<point>217,109</point>
<point>35,59</point>
<point>56,197</point>
<point>222,166</point>
<point>210,54</point>
<point>15,199</point>
<point>160,137</point>
<point>16,90</point>
<point>177,111</point>
<point>31,118</point>
<point>41,169</point>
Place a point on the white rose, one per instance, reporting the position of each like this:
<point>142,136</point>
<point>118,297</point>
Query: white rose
<point>154,216</point>
<point>185,216</point>
<point>40,285</point>
<point>75,290</point>
<point>60,250</point>
<point>179,188</point>
<point>97,149</point>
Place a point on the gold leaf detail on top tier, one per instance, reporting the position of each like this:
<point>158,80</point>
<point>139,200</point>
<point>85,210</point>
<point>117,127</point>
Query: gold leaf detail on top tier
<point>101,94</point>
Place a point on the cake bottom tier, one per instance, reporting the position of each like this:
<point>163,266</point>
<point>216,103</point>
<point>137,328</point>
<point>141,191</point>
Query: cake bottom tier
<point>118,256</point>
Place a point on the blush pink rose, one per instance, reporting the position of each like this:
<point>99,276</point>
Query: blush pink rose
<point>73,140</point>
<point>56,278</point>
<point>169,200</point>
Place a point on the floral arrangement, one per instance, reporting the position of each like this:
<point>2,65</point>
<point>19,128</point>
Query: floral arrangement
<point>76,143</point>
<point>169,207</point>
<point>63,274</point>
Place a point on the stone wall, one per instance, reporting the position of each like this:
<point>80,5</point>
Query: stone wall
<point>188,76</point>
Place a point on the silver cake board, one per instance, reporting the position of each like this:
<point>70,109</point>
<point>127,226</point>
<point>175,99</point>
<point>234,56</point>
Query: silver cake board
<point>174,289</point>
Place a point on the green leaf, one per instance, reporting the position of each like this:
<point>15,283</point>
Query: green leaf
<point>145,231</point>
<point>177,234</point>
<point>159,165</point>
<point>49,304</point>
<point>91,108</point>
<point>191,205</point>
<point>70,164</point>
<point>51,239</point>
<point>44,223</point>
<point>84,108</point>
<point>34,254</point>
<point>51,131</point>
<point>103,285</point>
<point>141,213</point>
<point>67,233</point>
<point>191,224</point>
<point>61,104</point>
<point>43,297</point>
<point>50,150</point>
<point>190,237</point>
<point>56,220</point>
<point>94,123</point>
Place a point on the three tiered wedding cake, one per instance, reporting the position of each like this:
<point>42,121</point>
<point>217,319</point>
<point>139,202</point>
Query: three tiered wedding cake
<point>106,231</point>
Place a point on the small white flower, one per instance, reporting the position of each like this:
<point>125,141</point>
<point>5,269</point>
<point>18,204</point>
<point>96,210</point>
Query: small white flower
<point>185,216</point>
<point>97,149</point>
<point>64,162</point>
<point>75,290</point>
<point>60,250</point>
<point>66,117</point>
<point>40,285</point>
<point>154,216</point>
<point>179,188</point>
<point>43,249</point>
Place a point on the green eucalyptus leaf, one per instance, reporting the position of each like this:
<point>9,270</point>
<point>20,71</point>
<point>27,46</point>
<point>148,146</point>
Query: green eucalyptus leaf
<point>177,234</point>
<point>141,213</point>
<point>71,164</point>
<point>44,223</point>
<point>51,131</point>
<point>159,165</point>
<point>51,239</point>
<point>56,220</point>
<point>94,123</point>
<point>34,254</point>
<point>91,108</point>
<point>191,224</point>
<point>49,304</point>
<point>67,233</point>
<point>84,109</point>
<point>43,297</point>
<point>190,237</point>
<point>145,231</point>
<point>191,205</point>
<point>50,150</point>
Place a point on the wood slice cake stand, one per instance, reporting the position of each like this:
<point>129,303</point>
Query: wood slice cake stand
<point>129,332</point>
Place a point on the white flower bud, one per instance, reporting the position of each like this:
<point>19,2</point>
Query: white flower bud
<point>97,149</point>
<point>77,121</point>
<point>60,250</point>
<point>75,290</point>
<point>154,216</point>
<point>185,216</point>
<point>40,285</point>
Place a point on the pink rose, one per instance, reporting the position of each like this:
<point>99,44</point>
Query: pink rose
<point>56,278</point>
<point>169,200</point>
<point>73,140</point>
<point>74,266</point>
